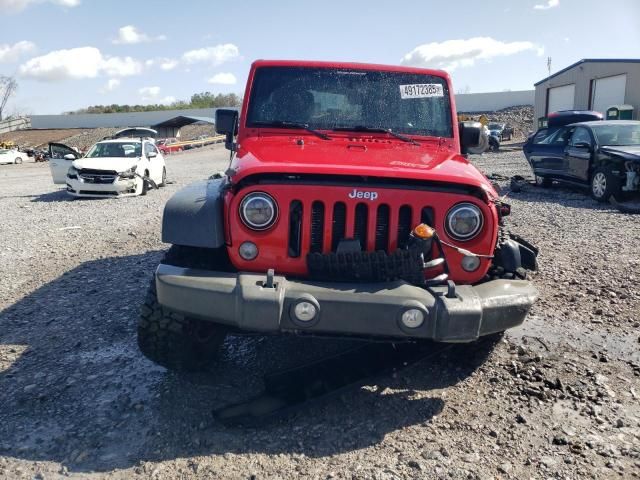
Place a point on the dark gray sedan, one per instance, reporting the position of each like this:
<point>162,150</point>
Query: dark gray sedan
<point>605,155</point>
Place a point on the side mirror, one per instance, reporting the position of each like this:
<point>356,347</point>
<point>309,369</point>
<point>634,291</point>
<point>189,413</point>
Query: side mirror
<point>583,146</point>
<point>471,135</point>
<point>227,124</point>
<point>152,155</point>
<point>69,156</point>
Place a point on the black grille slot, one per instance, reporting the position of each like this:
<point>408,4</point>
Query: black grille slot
<point>382,228</point>
<point>367,266</point>
<point>317,227</point>
<point>360,225</point>
<point>339,224</point>
<point>426,216</point>
<point>295,228</point>
<point>404,225</point>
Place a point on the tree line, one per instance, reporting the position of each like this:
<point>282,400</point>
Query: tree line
<point>197,100</point>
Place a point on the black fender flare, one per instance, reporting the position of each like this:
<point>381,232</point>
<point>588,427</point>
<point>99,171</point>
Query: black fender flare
<point>194,216</point>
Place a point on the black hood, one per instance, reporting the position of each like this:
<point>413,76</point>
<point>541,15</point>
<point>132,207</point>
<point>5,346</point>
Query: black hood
<point>629,152</point>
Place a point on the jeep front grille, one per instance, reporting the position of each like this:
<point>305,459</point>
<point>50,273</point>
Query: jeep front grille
<point>372,225</point>
<point>315,217</point>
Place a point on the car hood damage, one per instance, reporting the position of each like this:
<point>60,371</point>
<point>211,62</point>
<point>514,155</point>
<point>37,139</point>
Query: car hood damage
<point>360,156</point>
<point>110,164</point>
<point>628,152</point>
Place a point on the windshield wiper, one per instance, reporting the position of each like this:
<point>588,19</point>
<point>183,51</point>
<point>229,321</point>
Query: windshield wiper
<point>362,128</point>
<point>284,123</point>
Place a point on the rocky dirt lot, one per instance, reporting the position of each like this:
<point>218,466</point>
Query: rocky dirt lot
<point>555,398</point>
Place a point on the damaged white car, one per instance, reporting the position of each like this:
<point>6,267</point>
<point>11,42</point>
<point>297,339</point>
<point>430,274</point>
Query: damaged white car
<point>127,164</point>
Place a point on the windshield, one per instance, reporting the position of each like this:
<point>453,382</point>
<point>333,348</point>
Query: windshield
<point>115,149</point>
<point>495,126</point>
<point>628,134</point>
<point>325,98</point>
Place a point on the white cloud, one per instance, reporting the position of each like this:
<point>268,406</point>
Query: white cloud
<point>121,66</point>
<point>213,55</point>
<point>452,54</point>
<point>15,6</point>
<point>149,92</point>
<point>165,64</point>
<point>112,84</point>
<point>11,53</point>
<point>78,63</point>
<point>152,95</point>
<point>548,5</point>
<point>223,79</point>
<point>129,35</point>
<point>168,64</point>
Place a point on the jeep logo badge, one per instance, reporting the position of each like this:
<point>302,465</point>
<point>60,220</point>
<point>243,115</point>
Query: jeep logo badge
<point>366,195</point>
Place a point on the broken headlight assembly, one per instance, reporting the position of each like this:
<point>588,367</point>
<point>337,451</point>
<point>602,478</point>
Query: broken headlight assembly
<point>131,173</point>
<point>72,173</point>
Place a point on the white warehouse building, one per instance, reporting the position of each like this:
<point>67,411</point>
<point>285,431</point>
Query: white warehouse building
<point>591,84</point>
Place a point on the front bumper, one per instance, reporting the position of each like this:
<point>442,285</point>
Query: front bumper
<point>119,188</point>
<point>242,300</point>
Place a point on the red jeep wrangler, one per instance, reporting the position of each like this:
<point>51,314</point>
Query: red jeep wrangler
<point>348,209</point>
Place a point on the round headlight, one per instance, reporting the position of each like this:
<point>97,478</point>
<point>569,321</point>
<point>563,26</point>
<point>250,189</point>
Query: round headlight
<point>464,221</point>
<point>258,211</point>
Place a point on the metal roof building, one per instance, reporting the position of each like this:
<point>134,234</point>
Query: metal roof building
<point>112,120</point>
<point>590,84</point>
<point>171,127</point>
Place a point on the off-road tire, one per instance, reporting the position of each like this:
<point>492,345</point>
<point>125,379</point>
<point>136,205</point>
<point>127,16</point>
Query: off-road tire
<point>171,339</point>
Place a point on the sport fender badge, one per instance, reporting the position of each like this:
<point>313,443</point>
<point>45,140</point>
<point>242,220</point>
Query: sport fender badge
<point>366,195</point>
<point>421,90</point>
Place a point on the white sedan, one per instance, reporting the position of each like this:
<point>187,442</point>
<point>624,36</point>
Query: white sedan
<point>11,156</point>
<point>125,165</point>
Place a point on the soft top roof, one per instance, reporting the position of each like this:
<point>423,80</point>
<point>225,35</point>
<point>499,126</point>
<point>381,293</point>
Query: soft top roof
<point>349,66</point>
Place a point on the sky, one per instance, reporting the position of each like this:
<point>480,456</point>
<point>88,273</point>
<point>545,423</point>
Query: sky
<point>70,54</point>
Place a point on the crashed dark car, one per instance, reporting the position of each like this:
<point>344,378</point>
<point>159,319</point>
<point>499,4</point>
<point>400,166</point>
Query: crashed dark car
<point>605,155</point>
<point>562,118</point>
<point>501,130</point>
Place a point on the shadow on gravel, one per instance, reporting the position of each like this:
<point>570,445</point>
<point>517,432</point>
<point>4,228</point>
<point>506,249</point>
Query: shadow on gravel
<point>57,196</point>
<point>82,395</point>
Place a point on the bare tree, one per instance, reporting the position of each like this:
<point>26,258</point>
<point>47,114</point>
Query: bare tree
<point>8,87</point>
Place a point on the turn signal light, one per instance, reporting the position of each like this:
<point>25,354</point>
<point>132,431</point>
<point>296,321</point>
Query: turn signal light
<point>423,231</point>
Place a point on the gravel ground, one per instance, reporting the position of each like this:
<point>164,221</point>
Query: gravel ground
<point>556,398</point>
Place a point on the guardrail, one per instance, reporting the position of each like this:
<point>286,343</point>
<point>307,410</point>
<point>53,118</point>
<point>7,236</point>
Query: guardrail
<point>187,144</point>
<point>14,124</point>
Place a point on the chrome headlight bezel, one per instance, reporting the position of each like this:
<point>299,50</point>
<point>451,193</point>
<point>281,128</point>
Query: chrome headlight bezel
<point>245,205</point>
<point>456,210</point>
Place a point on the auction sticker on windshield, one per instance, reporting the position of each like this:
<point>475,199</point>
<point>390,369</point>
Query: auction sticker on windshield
<point>421,90</point>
